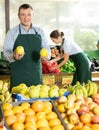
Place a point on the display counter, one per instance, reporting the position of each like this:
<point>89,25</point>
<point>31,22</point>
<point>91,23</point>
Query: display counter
<point>59,79</point>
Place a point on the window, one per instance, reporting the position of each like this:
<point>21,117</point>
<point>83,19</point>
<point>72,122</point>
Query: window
<point>77,18</point>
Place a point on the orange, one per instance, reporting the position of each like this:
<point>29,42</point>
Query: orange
<point>48,104</point>
<point>85,128</point>
<point>38,105</point>
<point>25,105</point>
<point>40,115</point>
<point>20,116</point>
<point>51,115</point>
<point>95,127</point>
<point>30,128</point>
<point>7,106</point>
<point>10,119</point>
<point>61,108</point>
<point>30,124</point>
<point>18,126</point>
<point>47,107</point>
<point>8,112</point>
<point>42,123</point>
<point>44,128</point>
<point>85,118</point>
<point>30,118</point>
<point>54,121</point>
<point>29,111</point>
<point>58,127</point>
<point>17,109</point>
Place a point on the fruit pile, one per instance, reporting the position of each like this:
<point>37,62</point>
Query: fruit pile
<point>47,65</point>
<point>86,90</point>
<point>38,115</point>
<point>39,91</point>
<point>5,95</point>
<point>79,113</point>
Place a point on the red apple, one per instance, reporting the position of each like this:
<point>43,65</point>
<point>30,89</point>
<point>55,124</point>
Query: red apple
<point>84,108</point>
<point>95,119</point>
<point>95,98</point>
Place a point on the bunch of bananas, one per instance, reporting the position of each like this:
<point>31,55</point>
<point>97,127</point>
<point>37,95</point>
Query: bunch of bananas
<point>5,95</point>
<point>91,88</point>
<point>85,89</point>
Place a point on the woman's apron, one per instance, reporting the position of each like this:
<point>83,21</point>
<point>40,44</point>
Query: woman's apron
<point>83,71</point>
<point>28,70</point>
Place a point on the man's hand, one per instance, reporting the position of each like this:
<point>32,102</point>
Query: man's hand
<point>17,56</point>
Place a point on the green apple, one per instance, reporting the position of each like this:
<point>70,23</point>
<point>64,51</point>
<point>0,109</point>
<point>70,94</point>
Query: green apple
<point>43,94</point>
<point>34,92</point>
<point>20,50</point>
<point>53,93</point>
<point>62,91</point>
<point>54,86</point>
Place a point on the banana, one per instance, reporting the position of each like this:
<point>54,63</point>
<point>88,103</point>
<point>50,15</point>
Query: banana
<point>84,91</point>
<point>5,86</point>
<point>1,98</point>
<point>1,84</point>
<point>95,88</point>
<point>91,88</point>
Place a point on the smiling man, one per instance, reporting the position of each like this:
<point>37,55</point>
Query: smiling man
<point>25,68</point>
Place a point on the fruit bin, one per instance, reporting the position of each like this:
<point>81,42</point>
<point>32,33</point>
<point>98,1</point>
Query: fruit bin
<point>54,109</point>
<point>60,79</point>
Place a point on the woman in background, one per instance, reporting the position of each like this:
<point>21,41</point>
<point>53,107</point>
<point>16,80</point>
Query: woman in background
<point>69,49</point>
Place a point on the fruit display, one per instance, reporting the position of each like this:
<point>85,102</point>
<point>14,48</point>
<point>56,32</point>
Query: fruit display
<point>37,115</point>
<point>79,113</point>
<point>39,91</point>
<point>47,65</point>
<point>86,90</point>
<point>5,95</point>
<point>20,50</point>
<point>68,67</point>
<point>43,52</point>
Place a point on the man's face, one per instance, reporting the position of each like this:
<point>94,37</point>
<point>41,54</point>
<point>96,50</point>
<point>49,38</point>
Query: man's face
<point>25,16</point>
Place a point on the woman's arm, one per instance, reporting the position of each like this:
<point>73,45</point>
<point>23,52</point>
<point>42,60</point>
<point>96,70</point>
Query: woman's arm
<point>66,57</point>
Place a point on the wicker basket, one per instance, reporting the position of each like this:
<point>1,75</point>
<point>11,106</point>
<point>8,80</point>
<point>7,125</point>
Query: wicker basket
<point>59,79</point>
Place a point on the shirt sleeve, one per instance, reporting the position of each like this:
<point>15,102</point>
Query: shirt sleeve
<point>8,45</point>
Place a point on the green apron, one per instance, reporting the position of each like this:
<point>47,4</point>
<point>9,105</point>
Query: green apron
<point>83,71</point>
<point>28,70</point>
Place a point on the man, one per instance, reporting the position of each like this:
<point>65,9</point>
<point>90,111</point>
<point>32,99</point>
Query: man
<point>25,68</point>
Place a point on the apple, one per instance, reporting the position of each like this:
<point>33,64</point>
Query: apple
<point>62,91</point>
<point>88,100</point>
<point>96,110</point>
<point>62,99</point>
<point>95,98</point>
<point>73,118</point>
<point>20,50</point>
<point>95,119</point>
<point>92,105</point>
<point>70,111</point>
<point>43,52</point>
<point>84,108</point>
<point>43,93</point>
<point>53,93</point>
<point>54,86</point>
<point>34,92</point>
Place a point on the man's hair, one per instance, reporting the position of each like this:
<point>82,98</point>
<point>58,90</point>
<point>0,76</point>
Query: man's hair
<point>24,6</point>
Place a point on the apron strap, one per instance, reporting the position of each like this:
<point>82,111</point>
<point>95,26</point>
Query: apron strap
<point>33,28</point>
